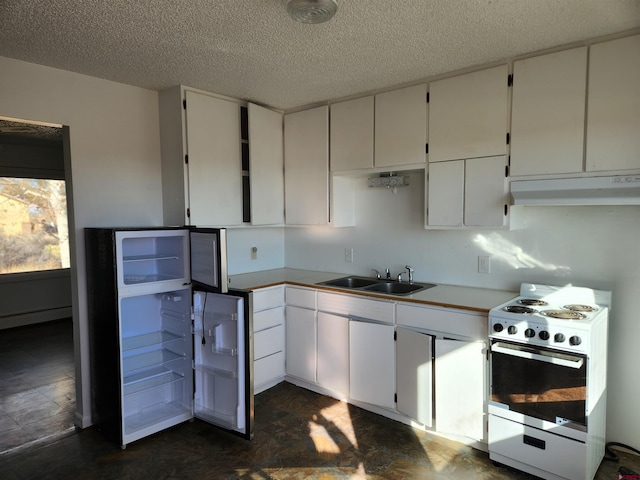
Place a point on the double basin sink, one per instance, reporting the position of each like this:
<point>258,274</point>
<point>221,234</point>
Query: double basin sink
<point>377,285</point>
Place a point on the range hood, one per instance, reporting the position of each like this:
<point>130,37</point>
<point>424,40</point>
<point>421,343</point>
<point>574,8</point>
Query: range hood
<point>610,190</point>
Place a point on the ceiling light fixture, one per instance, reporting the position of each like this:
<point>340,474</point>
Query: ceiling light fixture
<point>312,11</point>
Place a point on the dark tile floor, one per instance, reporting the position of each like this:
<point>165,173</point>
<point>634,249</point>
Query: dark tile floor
<point>37,385</point>
<point>298,435</point>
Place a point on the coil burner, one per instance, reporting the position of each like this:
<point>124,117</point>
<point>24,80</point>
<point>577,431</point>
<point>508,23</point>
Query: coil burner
<point>532,301</point>
<point>564,314</point>
<point>581,308</point>
<point>519,309</point>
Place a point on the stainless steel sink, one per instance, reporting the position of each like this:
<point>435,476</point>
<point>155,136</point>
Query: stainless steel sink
<point>350,282</point>
<point>376,285</point>
<point>396,288</point>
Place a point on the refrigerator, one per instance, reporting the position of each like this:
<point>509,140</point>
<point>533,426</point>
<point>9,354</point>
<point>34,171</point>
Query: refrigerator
<point>169,342</point>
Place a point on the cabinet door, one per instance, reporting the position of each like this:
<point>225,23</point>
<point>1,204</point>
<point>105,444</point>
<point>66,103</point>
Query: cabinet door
<point>306,167</point>
<point>414,375</point>
<point>445,197</point>
<point>468,115</point>
<point>300,345</point>
<point>372,363</point>
<point>352,134</point>
<point>485,192</point>
<point>266,174</point>
<point>613,123</point>
<point>333,353</point>
<point>548,109</point>
<point>215,170</point>
<point>460,375</point>
<point>401,126</point>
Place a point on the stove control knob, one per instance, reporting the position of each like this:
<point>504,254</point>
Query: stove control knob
<point>558,338</point>
<point>512,330</point>
<point>544,335</point>
<point>529,333</point>
<point>497,327</point>
<point>575,340</point>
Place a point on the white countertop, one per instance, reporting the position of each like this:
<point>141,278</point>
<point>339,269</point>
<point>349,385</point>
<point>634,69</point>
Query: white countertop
<point>450,296</point>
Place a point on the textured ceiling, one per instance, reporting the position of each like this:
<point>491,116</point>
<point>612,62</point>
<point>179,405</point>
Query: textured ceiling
<point>251,49</point>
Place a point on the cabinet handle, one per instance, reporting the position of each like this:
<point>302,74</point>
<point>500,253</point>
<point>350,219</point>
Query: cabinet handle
<point>534,442</point>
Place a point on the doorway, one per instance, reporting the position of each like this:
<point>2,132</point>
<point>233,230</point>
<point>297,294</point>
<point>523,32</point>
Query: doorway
<point>37,368</point>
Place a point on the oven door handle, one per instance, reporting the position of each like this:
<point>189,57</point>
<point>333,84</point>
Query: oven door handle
<point>541,357</point>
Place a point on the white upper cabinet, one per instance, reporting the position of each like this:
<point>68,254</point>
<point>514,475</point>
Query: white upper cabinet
<point>485,192</point>
<point>306,166</point>
<point>467,193</point>
<point>468,115</point>
<point>352,134</point>
<point>445,194</point>
<point>266,162</point>
<point>548,112</point>
<point>401,126</point>
<point>613,124</point>
<point>213,147</point>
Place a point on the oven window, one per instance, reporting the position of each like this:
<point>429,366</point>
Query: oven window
<point>526,380</point>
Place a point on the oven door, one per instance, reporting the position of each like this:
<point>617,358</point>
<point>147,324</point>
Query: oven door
<point>540,383</point>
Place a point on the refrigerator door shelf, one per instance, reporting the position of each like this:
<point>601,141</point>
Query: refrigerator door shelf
<point>219,353</point>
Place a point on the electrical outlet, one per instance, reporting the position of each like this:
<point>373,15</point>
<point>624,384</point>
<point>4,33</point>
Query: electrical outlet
<point>484,264</point>
<point>348,255</point>
<point>254,253</point>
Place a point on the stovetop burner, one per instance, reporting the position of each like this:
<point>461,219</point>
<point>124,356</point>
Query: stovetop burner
<point>564,314</point>
<point>519,309</point>
<point>581,308</point>
<point>532,301</point>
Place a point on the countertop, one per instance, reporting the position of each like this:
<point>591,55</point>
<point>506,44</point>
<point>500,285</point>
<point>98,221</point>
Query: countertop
<point>450,296</point>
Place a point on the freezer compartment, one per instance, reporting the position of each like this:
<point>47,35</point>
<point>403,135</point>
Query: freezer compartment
<point>152,256</point>
<point>156,362</point>
<point>219,360</point>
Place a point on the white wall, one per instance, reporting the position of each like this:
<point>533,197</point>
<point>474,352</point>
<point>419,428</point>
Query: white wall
<point>115,155</point>
<point>268,241</point>
<point>596,247</point>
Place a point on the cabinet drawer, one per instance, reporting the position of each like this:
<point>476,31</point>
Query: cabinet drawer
<point>268,341</point>
<point>536,447</point>
<point>354,306</point>
<point>266,298</point>
<point>268,318</point>
<point>453,322</point>
<point>301,297</point>
<point>268,368</point>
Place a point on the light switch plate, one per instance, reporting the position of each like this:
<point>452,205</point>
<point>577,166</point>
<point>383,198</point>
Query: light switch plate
<point>484,264</point>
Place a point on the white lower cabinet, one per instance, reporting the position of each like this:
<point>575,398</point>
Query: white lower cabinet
<point>414,375</point>
<point>460,376</point>
<point>421,363</point>
<point>268,338</point>
<point>333,353</point>
<point>301,343</point>
<point>372,363</point>
<point>457,358</point>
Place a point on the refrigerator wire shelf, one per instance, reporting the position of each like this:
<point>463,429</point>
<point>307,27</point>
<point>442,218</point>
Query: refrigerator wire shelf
<point>148,339</point>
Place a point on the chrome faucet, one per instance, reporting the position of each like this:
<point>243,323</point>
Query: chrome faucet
<point>400,277</point>
<point>388,272</point>
<point>376,272</point>
<point>410,270</point>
